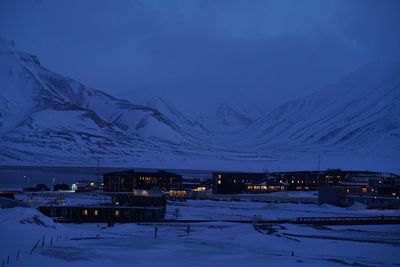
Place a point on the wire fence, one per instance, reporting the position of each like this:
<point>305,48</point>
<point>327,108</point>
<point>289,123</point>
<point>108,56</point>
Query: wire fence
<point>41,243</point>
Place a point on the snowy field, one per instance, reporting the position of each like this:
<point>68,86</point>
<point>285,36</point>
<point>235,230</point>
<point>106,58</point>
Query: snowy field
<point>232,210</point>
<point>206,244</point>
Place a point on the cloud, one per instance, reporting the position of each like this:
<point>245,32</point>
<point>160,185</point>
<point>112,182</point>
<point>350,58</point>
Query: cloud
<point>269,51</point>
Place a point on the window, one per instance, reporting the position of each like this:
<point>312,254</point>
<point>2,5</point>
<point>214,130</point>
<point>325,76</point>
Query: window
<point>85,212</point>
<point>117,213</point>
<point>96,212</point>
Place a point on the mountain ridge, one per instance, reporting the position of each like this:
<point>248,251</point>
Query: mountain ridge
<point>49,118</point>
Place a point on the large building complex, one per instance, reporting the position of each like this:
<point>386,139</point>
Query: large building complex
<point>128,181</point>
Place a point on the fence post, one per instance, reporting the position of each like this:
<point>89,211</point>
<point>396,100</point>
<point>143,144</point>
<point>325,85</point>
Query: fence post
<point>43,241</point>
<point>2,265</point>
<point>155,232</point>
<point>188,229</point>
<point>8,259</point>
<point>51,241</point>
<point>18,255</point>
<point>34,247</point>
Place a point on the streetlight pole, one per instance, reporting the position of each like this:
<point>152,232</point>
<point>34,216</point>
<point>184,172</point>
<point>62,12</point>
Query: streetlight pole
<point>27,179</point>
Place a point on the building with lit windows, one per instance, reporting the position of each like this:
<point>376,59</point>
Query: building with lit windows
<point>265,187</point>
<point>241,182</point>
<point>312,180</point>
<point>103,213</point>
<point>128,181</point>
<point>235,182</point>
<point>380,193</point>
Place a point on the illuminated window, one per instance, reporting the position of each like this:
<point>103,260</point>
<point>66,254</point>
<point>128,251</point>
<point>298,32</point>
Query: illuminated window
<point>96,212</point>
<point>219,181</point>
<point>85,212</point>
<point>219,176</point>
<point>364,190</point>
<point>117,213</point>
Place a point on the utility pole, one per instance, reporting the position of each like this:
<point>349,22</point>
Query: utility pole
<point>98,167</point>
<point>98,178</point>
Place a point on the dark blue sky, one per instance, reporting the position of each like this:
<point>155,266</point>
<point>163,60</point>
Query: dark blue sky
<point>263,52</point>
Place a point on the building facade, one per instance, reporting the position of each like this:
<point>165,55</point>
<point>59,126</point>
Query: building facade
<point>235,182</point>
<point>103,214</point>
<point>128,181</point>
<point>379,193</point>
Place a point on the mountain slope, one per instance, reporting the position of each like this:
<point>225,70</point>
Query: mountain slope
<point>48,119</point>
<point>361,113</point>
<point>183,120</point>
<point>43,114</point>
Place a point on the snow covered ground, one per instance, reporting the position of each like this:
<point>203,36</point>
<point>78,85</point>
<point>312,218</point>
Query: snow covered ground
<point>206,244</point>
<point>232,210</point>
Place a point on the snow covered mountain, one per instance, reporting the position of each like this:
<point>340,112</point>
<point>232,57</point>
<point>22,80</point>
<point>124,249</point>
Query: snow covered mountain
<point>46,118</point>
<point>225,118</point>
<point>231,117</point>
<point>189,123</point>
<point>358,115</point>
<point>47,115</point>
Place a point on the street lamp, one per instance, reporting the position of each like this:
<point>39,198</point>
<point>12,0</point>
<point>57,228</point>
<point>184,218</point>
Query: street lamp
<point>28,180</point>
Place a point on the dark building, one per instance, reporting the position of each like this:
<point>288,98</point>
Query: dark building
<point>240,182</point>
<point>125,199</point>
<point>85,186</point>
<point>312,180</point>
<point>266,187</point>
<point>61,187</point>
<point>7,194</point>
<point>381,193</point>
<point>103,213</point>
<point>339,195</point>
<point>191,188</point>
<point>389,186</point>
<point>128,181</point>
<point>309,180</point>
<point>235,182</point>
